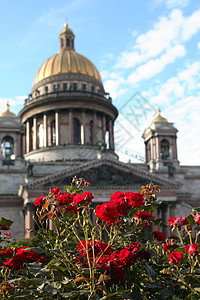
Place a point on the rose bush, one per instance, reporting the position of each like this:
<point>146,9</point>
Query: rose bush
<point>101,252</point>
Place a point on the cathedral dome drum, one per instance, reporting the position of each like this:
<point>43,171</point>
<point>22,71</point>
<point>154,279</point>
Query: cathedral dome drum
<point>68,108</point>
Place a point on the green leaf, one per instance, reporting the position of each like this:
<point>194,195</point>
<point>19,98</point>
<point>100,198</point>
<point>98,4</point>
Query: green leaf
<point>38,250</point>
<point>151,273</point>
<point>189,297</point>
<point>69,189</point>
<point>187,205</point>
<point>5,222</point>
<point>191,220</point>
<point>166,294</point>
<point>150,285</point>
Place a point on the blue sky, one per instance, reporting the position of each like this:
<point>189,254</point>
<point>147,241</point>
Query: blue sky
<point>147,53</point>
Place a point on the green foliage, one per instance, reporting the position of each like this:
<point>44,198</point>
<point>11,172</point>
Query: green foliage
<point>83,259</point>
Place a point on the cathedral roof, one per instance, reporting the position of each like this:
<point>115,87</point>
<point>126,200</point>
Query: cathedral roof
<point>7,113</point>
<point>159,118</point>
<point>67,60</point>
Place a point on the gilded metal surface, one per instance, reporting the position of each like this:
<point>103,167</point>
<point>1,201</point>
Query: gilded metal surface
<point>67,61</point>
<point>7,113</point>
<point>159,118</point>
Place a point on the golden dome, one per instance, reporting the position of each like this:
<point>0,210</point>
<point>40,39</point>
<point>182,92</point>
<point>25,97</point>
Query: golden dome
<point>66,29</point>
<point>7,113</point>
<point>67,60</point>
<point>159,118</point>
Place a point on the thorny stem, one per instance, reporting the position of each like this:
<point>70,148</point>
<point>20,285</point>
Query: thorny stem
<point>179,234</point>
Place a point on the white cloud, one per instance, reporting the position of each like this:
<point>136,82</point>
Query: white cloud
<point>190,76</point>
<point>151,48</point>
<point>179,94</point>
<point>191,25</point>
<point>114,86</point>
<point>20,99</point>
<point>171,3</point>
<point>15,103</point>
<point>164,35</point>
<point>185,113</point>
<point>155,66</point>
<point>176,3</point>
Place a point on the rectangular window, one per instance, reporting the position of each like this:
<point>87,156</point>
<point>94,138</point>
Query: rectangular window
<point>74,86</point>
<point>64,86</point>
<point>56,87</point>
<point>83,87</point>
<point>92,88</point>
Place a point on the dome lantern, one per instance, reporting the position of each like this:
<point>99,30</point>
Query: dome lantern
<point>66,39</point>
<point>8,113</point>
<point>159,118</point>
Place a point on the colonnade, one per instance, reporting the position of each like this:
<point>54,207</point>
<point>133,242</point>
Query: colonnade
<point>98,133</point>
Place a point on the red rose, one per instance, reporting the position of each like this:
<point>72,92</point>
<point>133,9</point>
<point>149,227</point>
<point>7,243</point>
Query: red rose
<point>7,235</point>
<point>143,215</point>
<point>171,222</point>
<point>122,205</point>
<point>165,247</point>
<point>135,199</point>
<point>134,247</point>
<point>107,212</point>
<point>84,198</point>
<point>159,236</point>
<point>117,195</point>
<point>102,248</point>
<point>7,253</point>
<point>31,255</point>
<point>197,218</point>
<point>103,263</point>
<point>17,262</point>
<point>72,208</point>
<point>81,246</point>
<point>55,191</point>
<point>38,201</point>
<point>191,249</point>
<point>120,201</point>
<point>64,198</point>
<point>55,211</point>
<point>3,227</point>
<point>125,256</point>
<point>178,222</point>
<point>175,257</point>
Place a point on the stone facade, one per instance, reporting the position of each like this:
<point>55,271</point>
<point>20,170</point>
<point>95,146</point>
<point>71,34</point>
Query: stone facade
<point>66,129</point>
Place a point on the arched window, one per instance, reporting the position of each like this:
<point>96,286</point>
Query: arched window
<point>41,136</point>
<point>77,131</point>
<point>91,132</point>
<point>164,147</point>
<point>7,147</point>
<point>53,133</point>
<point>62,43</point>
<point>67,42</point>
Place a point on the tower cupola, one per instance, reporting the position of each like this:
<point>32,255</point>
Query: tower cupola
<point>160,145</point>
<point>66,39</point>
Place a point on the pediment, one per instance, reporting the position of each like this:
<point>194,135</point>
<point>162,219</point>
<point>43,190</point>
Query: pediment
<point>104,173</point>
<point>9,122</point>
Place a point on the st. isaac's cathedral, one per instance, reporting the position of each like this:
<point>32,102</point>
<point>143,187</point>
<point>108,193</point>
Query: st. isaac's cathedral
<point>66,128</point>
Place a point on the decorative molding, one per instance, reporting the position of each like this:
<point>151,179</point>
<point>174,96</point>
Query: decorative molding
<point>126,168</point>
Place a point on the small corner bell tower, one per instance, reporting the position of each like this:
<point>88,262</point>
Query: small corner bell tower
<point>160,146</point>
